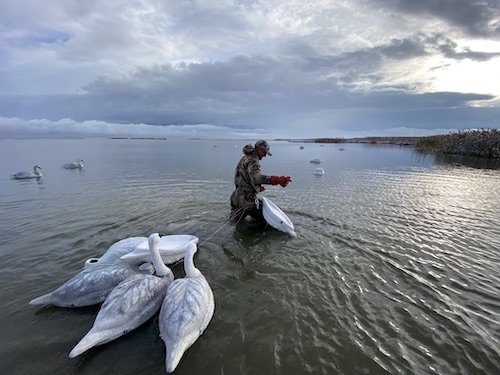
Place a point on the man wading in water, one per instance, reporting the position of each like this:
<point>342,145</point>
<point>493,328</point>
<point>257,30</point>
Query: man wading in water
<point>248,182</point>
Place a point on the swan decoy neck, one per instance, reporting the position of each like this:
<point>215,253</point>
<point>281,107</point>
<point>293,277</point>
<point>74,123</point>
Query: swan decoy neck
<point>161,269</point>
<point>189,267</point>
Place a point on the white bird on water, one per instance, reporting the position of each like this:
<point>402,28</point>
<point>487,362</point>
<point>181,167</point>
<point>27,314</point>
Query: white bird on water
<point>25,175</point>
<point>77,165</point>
<point>133,302</point>
<point>186,311</point>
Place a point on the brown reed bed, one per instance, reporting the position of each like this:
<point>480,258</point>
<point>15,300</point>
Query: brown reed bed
<point>474,142</point>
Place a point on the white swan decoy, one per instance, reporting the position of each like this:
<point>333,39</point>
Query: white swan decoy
<point>133,302</point>
<point>186,311</point>
<point>77,165</point>
<point>25,175</point>
<point>115,251</point>
<point>276,218</point>
<point>316,161</point>
<point>172,249</point>
<point>90,286</point>
<point>319,172</point>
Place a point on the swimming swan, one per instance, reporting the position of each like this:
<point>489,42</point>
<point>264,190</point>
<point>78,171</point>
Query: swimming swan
<point>186,311</point>
<point>25,175</point>
<point>77,165</point>
<point>133,302</point>
<point>88,287</point>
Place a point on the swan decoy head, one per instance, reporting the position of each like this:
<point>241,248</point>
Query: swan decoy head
<point>37,166</point>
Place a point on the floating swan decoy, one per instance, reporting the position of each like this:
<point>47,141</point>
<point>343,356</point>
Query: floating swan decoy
<point>25,175</point>
<point>115,251</point>
<point>88,287</point>
<point>133,302</point>
<point>77,165</point>
<point>276,218</point>
<point>186,311</point>
<point>316,161</point>
<point>319,172</point>
<point>172,249</point>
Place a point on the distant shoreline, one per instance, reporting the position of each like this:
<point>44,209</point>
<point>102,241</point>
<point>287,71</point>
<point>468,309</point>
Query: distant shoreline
<point>481,143</point>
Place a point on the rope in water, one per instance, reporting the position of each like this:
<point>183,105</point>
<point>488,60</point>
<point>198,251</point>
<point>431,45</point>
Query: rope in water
<point>240,211</point>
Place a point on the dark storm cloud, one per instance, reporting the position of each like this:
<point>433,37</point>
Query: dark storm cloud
<point>477,18</point>
<point>243,93</point>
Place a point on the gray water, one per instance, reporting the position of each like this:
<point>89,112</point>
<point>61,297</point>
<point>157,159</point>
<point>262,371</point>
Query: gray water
<point>395,269</point>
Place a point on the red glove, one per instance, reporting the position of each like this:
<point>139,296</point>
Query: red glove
<point>282,180</point>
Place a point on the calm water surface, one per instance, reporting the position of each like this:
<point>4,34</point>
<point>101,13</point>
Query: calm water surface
<point>395,270</point>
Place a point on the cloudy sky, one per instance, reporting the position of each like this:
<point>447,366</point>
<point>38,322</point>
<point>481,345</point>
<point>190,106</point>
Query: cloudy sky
<point>248,68</point>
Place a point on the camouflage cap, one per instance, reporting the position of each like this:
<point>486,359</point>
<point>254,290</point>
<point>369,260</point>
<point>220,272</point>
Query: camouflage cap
<point>264,145</point>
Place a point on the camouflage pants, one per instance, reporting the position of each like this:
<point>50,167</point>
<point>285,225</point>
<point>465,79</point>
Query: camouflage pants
<point>243,204</point>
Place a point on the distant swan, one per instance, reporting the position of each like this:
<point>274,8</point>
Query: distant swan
<point>186,311</point>
<point>133,302</point>
<point>88,287</point>
<point>77,165</point>
<point>25,175</point>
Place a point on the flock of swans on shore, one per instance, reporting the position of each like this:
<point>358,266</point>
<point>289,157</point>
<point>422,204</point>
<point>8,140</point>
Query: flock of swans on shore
<point>37,170</point>
<point>133,283</point>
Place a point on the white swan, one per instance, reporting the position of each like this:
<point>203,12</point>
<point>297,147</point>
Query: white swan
<point>133,302</point>
<point>25,175</point>
<point>171,247</point>
<point>88,287</point>
<point>186,311</point>
<point>115,251</point>
<point>77,165</point>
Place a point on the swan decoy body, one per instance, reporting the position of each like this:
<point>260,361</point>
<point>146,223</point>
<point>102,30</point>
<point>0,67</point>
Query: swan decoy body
<point>25,175</point>
<point>117,250</point>
<point>88,287</point>
<point>171,247</point>
<point>276,218</point>
<point>186,311</point>
<point>319,172</point>
<point>133,302</point>
<point>77,165</point>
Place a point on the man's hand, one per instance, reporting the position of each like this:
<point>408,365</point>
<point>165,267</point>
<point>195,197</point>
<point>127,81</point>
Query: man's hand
<point>281,180</point>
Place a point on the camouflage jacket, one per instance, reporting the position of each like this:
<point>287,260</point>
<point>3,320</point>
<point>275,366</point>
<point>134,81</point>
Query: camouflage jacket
<point>247,176</point>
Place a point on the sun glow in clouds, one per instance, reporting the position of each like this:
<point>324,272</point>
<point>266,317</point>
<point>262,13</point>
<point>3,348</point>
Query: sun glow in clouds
<point>469,76</point>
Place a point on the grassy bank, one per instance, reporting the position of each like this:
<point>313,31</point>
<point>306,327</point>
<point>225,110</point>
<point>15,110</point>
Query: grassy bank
<point>484,143</point>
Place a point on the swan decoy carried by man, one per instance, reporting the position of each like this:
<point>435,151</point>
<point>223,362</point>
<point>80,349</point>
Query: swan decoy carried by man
<point>186,311</point>
<point>75,165</point>
<point>134,301</point>
<point>90,286</point>
<point>25,175</point>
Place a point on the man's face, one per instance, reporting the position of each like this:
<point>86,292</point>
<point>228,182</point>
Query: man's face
<point>261,153</point>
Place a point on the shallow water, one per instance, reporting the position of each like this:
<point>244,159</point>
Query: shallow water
<point>395,268</point>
